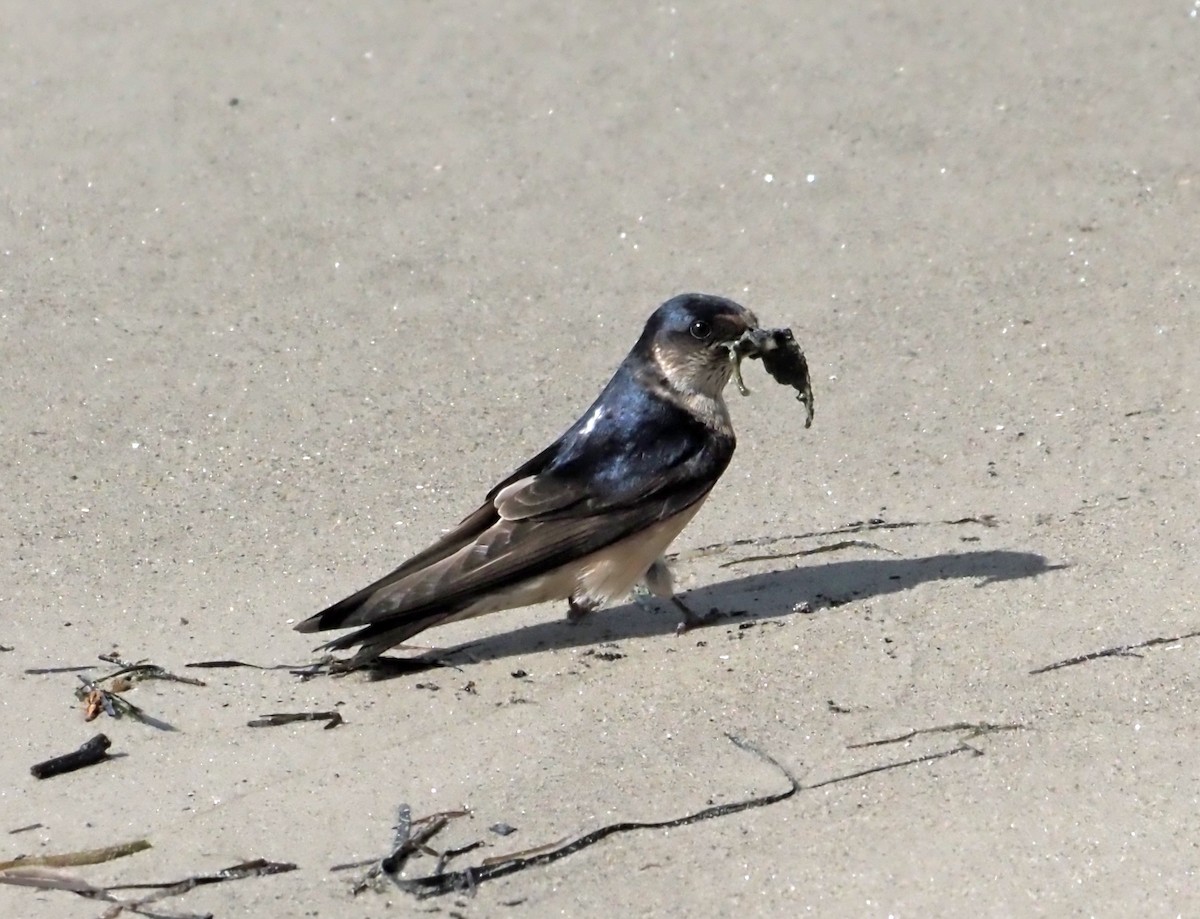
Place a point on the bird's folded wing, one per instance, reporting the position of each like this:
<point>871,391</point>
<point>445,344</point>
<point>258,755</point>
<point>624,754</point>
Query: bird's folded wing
<point>533,523</point>
<point>467,530</point>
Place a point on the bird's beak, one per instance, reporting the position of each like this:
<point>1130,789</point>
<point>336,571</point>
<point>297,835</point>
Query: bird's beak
<point>733,330</point>
<point>754,342</point>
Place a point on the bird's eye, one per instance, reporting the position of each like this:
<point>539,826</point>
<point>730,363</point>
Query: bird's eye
<point>700,329</point>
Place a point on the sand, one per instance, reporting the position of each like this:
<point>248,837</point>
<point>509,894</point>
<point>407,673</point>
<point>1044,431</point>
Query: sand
<point>285,288</point>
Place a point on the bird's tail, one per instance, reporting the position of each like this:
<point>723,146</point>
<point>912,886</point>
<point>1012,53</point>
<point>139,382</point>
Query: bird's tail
<point>378,637</point>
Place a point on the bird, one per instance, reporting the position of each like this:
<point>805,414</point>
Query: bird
<point>587,519</point>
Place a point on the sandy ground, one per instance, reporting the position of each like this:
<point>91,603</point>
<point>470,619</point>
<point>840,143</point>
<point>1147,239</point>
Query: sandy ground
<point>284,288</point>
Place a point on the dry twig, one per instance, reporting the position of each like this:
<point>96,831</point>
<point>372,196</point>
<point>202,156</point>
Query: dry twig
<point>90,753</point>
<point>1119,651</point>
<point>82,857</point>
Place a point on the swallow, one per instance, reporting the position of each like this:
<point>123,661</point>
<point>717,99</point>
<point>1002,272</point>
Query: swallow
<point>588,518</point>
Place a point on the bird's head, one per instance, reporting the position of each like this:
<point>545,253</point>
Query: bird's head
<point>689,339</point>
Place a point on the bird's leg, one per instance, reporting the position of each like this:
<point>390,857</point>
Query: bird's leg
<point>578,607</point>
<point>658,581</point>
<point>692,619</point>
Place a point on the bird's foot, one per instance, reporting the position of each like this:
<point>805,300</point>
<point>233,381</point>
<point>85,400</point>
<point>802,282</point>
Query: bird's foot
<point>577,609</point>
<point>693,620</point>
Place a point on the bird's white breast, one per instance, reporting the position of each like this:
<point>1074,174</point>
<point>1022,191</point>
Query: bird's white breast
<point>609,574</point>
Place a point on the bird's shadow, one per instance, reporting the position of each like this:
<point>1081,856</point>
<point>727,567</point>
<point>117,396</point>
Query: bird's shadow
<point>765,596</point>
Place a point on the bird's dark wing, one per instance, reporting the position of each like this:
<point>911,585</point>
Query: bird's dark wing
<point>639,461</point>
<point>467,531</point>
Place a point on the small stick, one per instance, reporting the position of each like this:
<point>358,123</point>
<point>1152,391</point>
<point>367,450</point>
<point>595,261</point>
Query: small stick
<point>267,721</point>
<point>142,670</point>
<point>92,752</point>
<point>255,868</point>
<point>976,729</point>
<point>225,664</point>
<point>833,547</point>
<point>83,857</point>
<point>513,856</point>
<point>1119,651</point>
<point>444,858</point>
